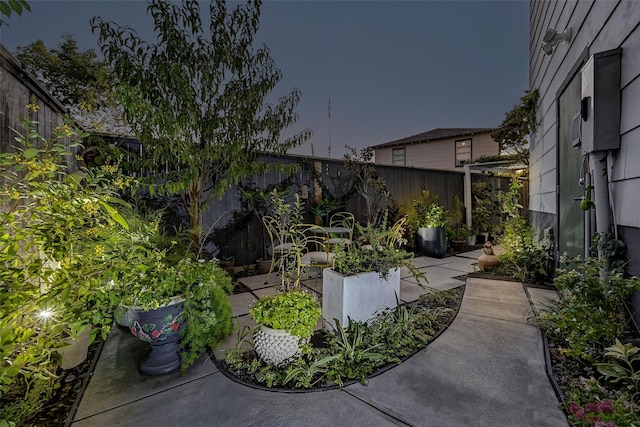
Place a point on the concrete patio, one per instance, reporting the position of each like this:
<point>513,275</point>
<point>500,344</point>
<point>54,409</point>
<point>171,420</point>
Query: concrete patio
<point>486,369</point>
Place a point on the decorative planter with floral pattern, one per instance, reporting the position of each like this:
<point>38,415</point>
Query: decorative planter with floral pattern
<point>161,329</point>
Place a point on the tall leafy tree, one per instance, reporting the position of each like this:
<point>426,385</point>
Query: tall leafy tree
<point>73,76</point>
<point>78,79</point>
<point>518,125</point>
<point>198,100</point>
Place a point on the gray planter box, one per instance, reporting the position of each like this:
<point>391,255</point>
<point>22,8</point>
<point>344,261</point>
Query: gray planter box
<point>357,297</point>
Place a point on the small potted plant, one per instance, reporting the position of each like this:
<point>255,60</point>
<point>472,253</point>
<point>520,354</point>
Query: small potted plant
<point>286,320</point>
<point>430,221</point>
<point>457,231</point>
<point>458,235</point>
<point>365,276</point>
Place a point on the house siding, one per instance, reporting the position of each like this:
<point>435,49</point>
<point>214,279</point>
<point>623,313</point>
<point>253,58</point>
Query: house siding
<point>439,154</point>
<point>597,26</point>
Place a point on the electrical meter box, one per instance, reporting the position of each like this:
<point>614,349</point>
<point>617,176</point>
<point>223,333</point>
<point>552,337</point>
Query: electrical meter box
<point>600,102</point>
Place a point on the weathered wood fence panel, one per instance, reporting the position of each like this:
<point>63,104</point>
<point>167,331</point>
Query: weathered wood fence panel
<point>17,89</point>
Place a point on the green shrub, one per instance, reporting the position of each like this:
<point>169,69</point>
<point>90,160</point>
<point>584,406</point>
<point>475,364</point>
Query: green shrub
<point>590,310</point>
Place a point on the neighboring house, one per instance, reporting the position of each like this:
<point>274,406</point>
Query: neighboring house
<point>589,131</point>
<point>446,149</point>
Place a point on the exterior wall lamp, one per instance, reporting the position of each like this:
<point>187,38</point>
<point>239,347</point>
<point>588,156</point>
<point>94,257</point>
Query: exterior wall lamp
<point>552,38</point>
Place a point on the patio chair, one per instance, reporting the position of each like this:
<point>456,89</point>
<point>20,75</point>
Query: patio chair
<point>315,249</point>
<point>279,244</point>
<point>342,220</point>
<point>396,232</point>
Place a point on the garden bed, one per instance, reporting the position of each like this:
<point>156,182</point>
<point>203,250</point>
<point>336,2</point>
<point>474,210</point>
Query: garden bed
<point>393,336</point>
<point>58,409</point>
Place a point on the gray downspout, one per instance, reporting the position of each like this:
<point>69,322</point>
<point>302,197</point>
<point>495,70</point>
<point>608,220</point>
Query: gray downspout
<point>600,180</point>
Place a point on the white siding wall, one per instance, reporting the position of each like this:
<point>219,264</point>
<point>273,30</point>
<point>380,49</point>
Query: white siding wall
<point>440,154</point>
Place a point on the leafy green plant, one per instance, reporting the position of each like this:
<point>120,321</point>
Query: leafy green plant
<point>288,217</point>
<point>295,311</point>
<point>375,249</point>
<point>355,354</point>
<point>9,6</point>
<point>523,257</point>
<point>323,209</point>
<point>307,375</point>
<point>207,309</point>
<point>50,278</point>
<point>624,367</point>
<point>426,212</point>
<point>590,309</point>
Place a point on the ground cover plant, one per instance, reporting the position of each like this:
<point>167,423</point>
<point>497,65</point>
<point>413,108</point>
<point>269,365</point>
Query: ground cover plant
<point>597,375</point>
<point>353,352</point>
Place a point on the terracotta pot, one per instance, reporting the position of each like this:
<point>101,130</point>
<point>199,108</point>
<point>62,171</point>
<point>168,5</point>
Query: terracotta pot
<point>458,245</point>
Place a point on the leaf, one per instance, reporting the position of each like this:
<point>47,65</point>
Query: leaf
<point>115,215</point>
<point>30,153</point>
<point>5,9</point>
<point>16,6</point>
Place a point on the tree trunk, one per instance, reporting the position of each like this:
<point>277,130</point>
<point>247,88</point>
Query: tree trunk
<point>194,210</point>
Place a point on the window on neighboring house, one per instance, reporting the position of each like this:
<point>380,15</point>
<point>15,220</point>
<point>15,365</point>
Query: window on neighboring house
<point>463,151</point>
<point>399,156</point>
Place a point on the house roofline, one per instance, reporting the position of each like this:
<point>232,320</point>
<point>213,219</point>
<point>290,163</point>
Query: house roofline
<point>438,134</point>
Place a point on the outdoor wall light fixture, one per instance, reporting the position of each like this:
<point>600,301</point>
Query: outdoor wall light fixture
<point>552,38</point>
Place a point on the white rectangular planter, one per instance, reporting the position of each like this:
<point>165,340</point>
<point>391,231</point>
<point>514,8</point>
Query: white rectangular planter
<point>358,297</point>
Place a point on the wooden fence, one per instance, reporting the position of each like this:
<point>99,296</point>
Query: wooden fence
<point>18,89</point>
<point>234,231</point>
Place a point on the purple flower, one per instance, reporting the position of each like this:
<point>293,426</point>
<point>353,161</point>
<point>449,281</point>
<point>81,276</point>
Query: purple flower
<point>606,406</point>
<point>592,407</point>
<point>577,410</point>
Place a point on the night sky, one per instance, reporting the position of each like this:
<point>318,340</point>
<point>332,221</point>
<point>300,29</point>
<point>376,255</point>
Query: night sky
<point>391,69</point>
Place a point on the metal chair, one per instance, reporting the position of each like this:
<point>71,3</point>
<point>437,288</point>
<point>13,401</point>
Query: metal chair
<point>280,243</point>
<point>396,233</point>
<point>314,248</point>
<point>342,220</point>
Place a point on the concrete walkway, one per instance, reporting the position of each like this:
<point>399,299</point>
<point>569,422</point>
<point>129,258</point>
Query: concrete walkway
<point>486,369</point>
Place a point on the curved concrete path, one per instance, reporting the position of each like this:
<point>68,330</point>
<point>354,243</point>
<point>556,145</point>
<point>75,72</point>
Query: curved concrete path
<point>487,369</point>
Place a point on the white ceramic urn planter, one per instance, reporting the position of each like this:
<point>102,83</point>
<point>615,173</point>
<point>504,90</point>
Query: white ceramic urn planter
<point>275,346</point>
<point>357,297</point>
